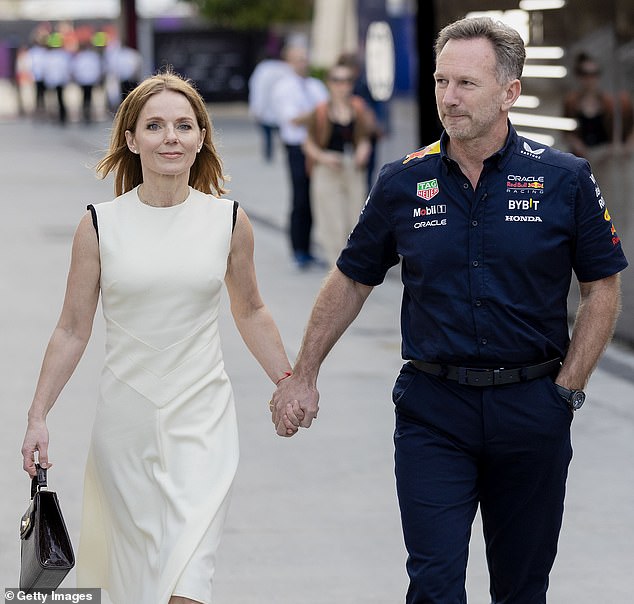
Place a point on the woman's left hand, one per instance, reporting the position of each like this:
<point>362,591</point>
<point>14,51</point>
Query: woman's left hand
<point>35,439</point>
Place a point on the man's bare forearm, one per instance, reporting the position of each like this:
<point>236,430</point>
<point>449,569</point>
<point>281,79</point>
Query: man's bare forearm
<point>594,325</point>
<point>336,307</point>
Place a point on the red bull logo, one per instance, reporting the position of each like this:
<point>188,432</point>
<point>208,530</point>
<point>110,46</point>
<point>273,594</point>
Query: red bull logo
<point>516,182</point>
<point>615,237</point>
<point>416,155</point>
<point>435,148</point>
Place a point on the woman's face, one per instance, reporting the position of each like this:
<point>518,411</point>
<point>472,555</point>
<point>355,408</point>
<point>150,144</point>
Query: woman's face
<point>340,81</point>
<point>589,74</point>
<point>167,136</point>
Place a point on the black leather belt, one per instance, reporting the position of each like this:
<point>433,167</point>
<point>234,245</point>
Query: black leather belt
<point>473,376</point>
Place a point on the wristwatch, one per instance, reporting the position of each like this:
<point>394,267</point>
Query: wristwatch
<point>574,398</point>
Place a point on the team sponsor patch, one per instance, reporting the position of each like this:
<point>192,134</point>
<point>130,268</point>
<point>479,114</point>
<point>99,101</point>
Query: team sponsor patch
<point>435,148</point>
<point>416,155</point>
<point>606,215</point>
<point>597,191</point>
<point>430,223</point>
<point>517,184</point>
<point>430,210</point>
<point>524,204</point>
<point>430,216</point>
<point>530,152</point>
<point>615,238</point>
<point>525,218</point>
<point>427,189</point>
<point>526,210</point>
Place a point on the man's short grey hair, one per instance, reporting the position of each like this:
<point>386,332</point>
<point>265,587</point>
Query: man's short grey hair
<point>508,45</point>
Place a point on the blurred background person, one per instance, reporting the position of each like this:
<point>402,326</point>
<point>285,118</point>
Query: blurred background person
<point>37,60</point>
<point>57,74</point>
<point>124,67</point>
<point>338,147</point>
<point>129,66</point>
<point>594,109</point>
<point>23,78</point>
<point>379,108</point>
<point>596,137</point>
<point>87,72</point>
<point>261,106</point>
<point>295,96</point>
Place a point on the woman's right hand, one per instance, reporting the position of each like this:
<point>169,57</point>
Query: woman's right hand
<point>35,439</point>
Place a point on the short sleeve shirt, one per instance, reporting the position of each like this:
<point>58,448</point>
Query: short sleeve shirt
<point>486,272</point>
<point>292,97</point>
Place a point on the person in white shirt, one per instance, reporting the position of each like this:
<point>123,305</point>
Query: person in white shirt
<point>57,74</point>
<point>295,96</point>
<point>124,66</point>
<point>87,72</point>
<point>261,106</point>
<point>128,67</point>
<point>37,61</point>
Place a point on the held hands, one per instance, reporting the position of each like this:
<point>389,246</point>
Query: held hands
<point>35,440</point>
<point>293,405</point>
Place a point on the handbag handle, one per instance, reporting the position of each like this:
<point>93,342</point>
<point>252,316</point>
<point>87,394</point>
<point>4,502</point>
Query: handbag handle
<point>38,481</point>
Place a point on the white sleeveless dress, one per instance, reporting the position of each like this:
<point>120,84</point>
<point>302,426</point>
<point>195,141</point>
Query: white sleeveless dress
<point>164,447</point>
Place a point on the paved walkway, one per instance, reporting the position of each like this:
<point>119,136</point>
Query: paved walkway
<point>314,519</point>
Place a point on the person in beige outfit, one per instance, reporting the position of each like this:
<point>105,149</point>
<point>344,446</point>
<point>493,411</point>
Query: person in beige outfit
<point>338,149</point>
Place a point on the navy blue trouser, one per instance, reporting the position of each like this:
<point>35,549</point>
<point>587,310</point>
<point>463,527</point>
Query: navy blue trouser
<point>268,148</point>
<point>301,216</point>
<point>506,448</point>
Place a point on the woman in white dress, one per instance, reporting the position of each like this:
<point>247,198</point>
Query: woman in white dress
<point>164,445</point>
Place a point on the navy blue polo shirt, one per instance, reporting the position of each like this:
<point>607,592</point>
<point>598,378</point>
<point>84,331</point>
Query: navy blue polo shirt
<point>486,272</point>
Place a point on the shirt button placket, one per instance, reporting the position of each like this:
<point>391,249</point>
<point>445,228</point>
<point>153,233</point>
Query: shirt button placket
<point>475,251</point>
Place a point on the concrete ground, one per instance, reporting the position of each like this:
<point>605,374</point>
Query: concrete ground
<point>314,519</point>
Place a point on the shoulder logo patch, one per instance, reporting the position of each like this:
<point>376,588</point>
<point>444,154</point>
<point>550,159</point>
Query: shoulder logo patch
<point>434,148</point>
<point>528,150</point>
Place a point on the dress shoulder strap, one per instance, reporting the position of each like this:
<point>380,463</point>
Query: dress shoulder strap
<point>235,215</point>
<point>93,214</point>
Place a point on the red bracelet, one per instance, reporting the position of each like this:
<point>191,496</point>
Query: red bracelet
<point>287,374</point>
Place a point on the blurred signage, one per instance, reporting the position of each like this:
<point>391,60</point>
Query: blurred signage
<point>379,60</point>
<point>219,62</point>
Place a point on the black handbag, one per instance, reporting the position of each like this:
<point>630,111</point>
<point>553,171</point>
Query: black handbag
<point>46,555</point>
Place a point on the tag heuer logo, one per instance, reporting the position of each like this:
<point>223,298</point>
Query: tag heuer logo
<point>427,189</point>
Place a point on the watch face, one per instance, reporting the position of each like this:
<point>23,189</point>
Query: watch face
<point>577,399</point>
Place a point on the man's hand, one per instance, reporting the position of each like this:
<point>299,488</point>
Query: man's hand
<point>294,404</point>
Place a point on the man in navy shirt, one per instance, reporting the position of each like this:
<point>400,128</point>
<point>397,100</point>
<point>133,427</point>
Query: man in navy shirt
<point>489,227</point>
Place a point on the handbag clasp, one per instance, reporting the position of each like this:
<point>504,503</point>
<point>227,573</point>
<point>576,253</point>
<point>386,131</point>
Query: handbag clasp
<point>25,524</point>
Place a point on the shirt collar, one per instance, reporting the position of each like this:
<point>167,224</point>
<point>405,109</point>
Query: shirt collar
<point>499,159</point>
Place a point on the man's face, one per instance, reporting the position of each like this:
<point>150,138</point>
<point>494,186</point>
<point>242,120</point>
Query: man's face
<point>469,99</point>
<point>298,60</point>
